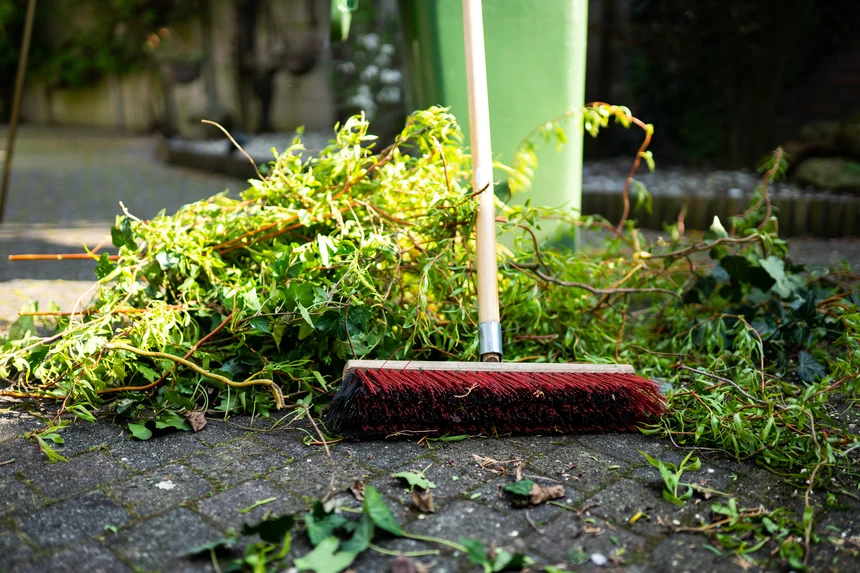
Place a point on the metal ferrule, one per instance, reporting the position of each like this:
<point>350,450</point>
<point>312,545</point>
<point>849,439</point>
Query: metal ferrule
<point>490,338</point>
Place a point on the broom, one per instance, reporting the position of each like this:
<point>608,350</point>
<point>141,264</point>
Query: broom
<point>380,398</point>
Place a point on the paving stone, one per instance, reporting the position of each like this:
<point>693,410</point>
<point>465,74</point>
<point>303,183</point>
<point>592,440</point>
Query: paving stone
<point>91,557</point>
<point>309,476</point>
<point>626,446</point>
<point>16,497</point>
<point>581,468</point>
<point>373,562</point>
<point>218,431</point>
<point>24,453</point>
<point>81,473</point>
<point>623,499</point>
<point>681,553</point>
<point>225,507</point>
<point>12,549</point>
<point>382,454</point>
<point>161,489</point>
<point>156,451</point>
<point>67,521</point>
<point>238,461</point>
<point>587,535</point>
<point>467,519</point>
<point>157,542</point>
<point>83,436</point>
<point>492,495</point>
<point>14,424</point>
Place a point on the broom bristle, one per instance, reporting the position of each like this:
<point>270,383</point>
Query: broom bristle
<point>376,402</point>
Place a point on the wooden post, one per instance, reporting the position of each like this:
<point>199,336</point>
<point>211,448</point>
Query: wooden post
<point>16,103</point>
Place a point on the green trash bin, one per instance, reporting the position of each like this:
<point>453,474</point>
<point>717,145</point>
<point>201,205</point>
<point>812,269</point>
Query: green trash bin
<point>535,72</point>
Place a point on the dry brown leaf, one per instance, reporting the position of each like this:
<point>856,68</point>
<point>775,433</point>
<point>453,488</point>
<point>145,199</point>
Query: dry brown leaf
<point>357,490</point>
<point>541,493</point>
<point>406,565</point>
<point>424,501</point>
<point>519,471</point>
<point>596,531</point>
<point>196,419</point>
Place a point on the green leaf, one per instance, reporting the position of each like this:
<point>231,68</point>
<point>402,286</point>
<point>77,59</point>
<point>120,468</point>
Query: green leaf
<point>272,529</point>
<point>325,558</point>
<point>809,369</point>
<point>361,537</point>
<point>226,542</point>
<point>321,524</point>
<point>476,553</point>
<point>775,267</point>
<point>139,430</point>
<point>104,267</point>
<point>522,487</point>
<point>375,507</point>
<point>121,234</point>
<point>172,420</point>
<point>414,479</point>
<point>738,267</point>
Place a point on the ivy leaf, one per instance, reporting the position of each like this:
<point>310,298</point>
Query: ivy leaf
<point>322,524</point>
<point>476,553</point>
<point>172,420</point>
<point>414,479</point>
<point>272,529</point>
<point>375,507</point>
<point>737,267</point>
<point>522,487</point>
<point>222,543</point>
<point>105,267</point>
<point>140,431</point>
<point>775,267</point>
<point>121,234</point>
<point>361,537</point>
<point>325,558</point>
<point>809,368</point>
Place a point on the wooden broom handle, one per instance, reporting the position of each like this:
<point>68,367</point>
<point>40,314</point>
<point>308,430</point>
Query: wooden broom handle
<point>482,161</point>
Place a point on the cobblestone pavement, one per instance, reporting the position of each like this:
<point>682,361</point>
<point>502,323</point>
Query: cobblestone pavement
<point>124,505</point>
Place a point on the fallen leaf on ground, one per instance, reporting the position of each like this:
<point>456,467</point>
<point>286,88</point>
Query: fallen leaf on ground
<point>357,490</point>
<point>541,493</point>
<point>424,501</point>
<point>406,565</point>
<point>596,531</point>
<point>196,419</point>
<point>639,515</point>
<point>519,470</point>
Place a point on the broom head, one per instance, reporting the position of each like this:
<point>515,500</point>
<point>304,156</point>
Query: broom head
<point>381,398</point>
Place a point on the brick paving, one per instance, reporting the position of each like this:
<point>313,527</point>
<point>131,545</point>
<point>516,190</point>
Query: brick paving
<point>124,505</point>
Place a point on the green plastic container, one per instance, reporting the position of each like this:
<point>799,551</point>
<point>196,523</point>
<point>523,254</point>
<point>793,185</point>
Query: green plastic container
<point>535,72</point>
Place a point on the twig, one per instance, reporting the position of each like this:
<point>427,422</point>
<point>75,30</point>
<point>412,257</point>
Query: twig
<point>721,379</point>
<point>625,193</point>
<point>532,523</point>
<point>163,376</point>
<point>468,391</point>
<point>276,392</point>
<point>7,462</point>
<point>593,290</point>
<point>59,257</point>
<point>239,147</point>
<point>327,453</point>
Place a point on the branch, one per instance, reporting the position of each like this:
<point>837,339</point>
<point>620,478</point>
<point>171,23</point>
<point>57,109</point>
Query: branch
<point>276,392</point>
<point>594,290</point>
<point>239,147</point>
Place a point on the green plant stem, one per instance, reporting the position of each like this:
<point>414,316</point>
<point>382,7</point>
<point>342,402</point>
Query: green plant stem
<point>384,551</point>
<point>276,392</point>
<point>437,540</point>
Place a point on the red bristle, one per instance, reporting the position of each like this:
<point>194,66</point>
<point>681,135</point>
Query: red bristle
<point>377,402</point>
